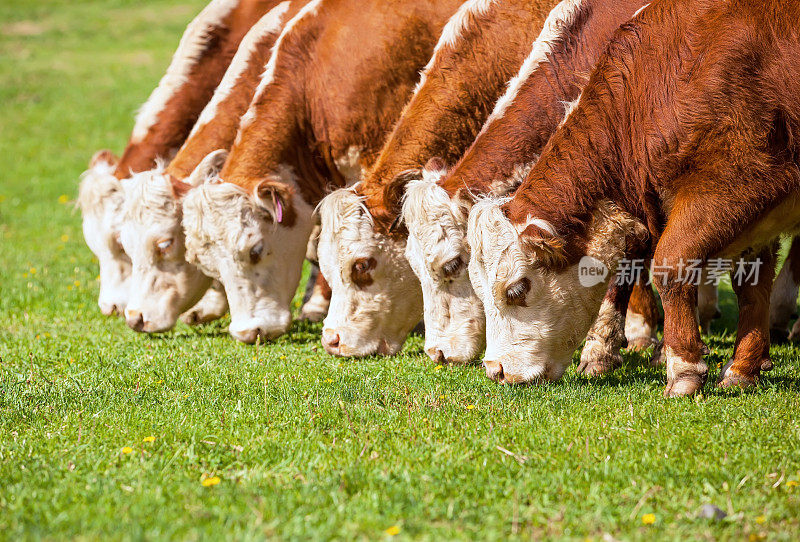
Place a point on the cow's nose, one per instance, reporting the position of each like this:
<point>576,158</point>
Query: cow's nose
<point>247,336</point>
<point>330,341</point>
<point>135,320</point>
<point>250,335</point>
<point>110,309</point>
<point>436,355</point>
<point>494,370</point>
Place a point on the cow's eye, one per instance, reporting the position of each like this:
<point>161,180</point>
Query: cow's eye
<point>164,245</point>
<point>453,268</point>
<point>361,271</point>
<point>517,292</point>
<point>255,252</point>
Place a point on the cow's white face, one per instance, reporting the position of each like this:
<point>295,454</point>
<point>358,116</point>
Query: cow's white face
<point>438,252</point>
<point>101,199</point>
<point>254,244</point>
<point>376,299</point>
<point>163,284</point>
<point>535,317</point>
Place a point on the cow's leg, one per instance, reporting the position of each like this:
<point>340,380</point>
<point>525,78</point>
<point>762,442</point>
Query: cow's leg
<point>682,346</point>
<point>752,334</point>
<point>212,306</point>
<point>783,301</point>
<point>641,322</point>
<point>601,352</point>
<point>317,297</point>
<point>707,305</point>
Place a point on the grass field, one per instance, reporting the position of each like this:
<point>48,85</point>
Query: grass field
<point>105,433</point>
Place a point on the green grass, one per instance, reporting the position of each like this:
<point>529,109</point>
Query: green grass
<point>305,445</point>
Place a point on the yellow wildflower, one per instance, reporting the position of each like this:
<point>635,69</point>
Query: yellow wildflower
<point>761,520</point>
<point>208,482</point>
<point>63,198</point>
<point>393,530</point>
<point>791,483</point>
<point>648,519</point>
<point>64,238</point>
<point>32,271</point>
<point>127,450</point>
<point>470,407</point>
<point>149,439</point>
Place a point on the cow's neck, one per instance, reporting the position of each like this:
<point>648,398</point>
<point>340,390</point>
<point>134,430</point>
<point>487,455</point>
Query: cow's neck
<point>579,169</point>
<point>275,140</point>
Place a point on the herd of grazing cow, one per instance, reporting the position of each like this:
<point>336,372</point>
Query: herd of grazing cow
<point>459,162</point>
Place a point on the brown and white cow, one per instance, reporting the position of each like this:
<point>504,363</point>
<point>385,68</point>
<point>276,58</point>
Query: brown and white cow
<point>338,78</point>
<point>163,122</point>
<point>435,207</point>
<point>376,298</point>
<point>683,143</point>
<point>163,284</point>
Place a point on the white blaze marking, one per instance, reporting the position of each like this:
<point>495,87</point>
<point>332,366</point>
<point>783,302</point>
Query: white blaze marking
<point>456,26</point>
<point>309,10</point>
<point>189,52</point>
<point>267,25</point>
<point>557,21</point>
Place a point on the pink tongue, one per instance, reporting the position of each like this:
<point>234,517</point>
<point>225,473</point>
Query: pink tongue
<point>278,208</point>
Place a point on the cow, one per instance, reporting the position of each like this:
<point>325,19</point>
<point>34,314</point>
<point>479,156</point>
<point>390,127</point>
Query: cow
<point>163,284</point>
<point>161,126</point>
<point>337,80</point>
<point>435,207</point>
<point>683,145</point>
<point>376,297</point>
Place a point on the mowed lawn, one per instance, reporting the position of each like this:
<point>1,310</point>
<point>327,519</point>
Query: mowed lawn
<point>105,433</point>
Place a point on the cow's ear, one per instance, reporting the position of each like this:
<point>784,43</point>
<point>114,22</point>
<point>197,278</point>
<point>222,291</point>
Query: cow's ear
<point>208,168</point>
<point>436,165</point>
<point>179,188</point>
<point>312,252</point>
<point>103,157</point>
<point>462,202</point>
<point>277,199</point>
<point>395,189</point>
<point>542,244</point>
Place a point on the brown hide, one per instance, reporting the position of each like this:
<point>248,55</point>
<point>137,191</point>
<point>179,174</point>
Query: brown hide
<point>460,88</point>
<point>220,131</point>
<point>519,136</point>
<point>341,79</point>
<point>181,111</point>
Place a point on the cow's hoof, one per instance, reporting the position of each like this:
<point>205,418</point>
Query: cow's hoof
<point>766,364</point>
<point>596,359</point>
<point>684,385</point>
<point>730,378</point>
<point>778,335</point>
